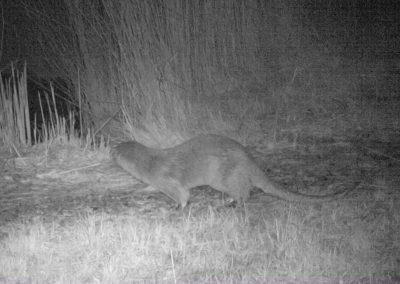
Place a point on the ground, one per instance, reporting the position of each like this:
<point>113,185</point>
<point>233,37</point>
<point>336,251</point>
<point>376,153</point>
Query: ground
<point>61,181</point>
<point>66,178</point>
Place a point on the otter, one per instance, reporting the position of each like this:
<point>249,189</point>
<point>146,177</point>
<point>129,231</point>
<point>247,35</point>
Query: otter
<point>213,160</point>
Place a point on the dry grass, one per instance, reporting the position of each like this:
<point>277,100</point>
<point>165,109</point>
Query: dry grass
<point>206,67</point>
<point>354,240</point>
<point>289,243</point>
<point>15,128</point>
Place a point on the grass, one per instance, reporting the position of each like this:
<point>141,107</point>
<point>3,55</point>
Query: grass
<point>354,240</point>
<point>291,243</point>
<point>15,128</point>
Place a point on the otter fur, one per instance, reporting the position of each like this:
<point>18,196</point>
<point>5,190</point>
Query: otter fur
<point>213,160</point>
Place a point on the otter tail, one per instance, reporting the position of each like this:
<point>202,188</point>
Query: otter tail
<point>260,181</point>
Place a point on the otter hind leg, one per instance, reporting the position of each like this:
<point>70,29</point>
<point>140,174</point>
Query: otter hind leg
<point>175,191</point>
<point>235,186</point>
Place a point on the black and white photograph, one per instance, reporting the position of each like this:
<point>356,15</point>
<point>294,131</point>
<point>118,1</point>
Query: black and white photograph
<point>200,141</point>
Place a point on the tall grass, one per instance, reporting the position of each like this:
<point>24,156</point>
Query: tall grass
<point>54,127</point>
<point>146,54</point>
<point>17,130</point>
<point>15,127</point>
<point>226,66</point>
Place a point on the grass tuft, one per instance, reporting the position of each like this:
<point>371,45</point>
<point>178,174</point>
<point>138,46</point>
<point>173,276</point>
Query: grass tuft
<point>15,128</point>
